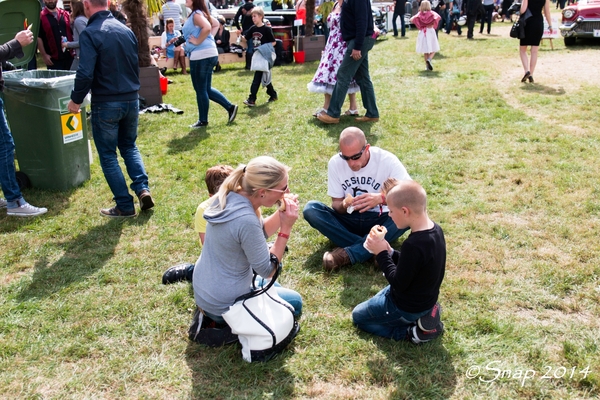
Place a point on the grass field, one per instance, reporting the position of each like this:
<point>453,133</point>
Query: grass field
<point>511,171</point>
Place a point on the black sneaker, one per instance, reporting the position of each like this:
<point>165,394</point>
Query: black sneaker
<point>272,99</point>
<point>417,336</point>
<point>429,322</point>
<point>250,103</point>
<point>232,113</point>
<point>116,213</point>
<point>199,124</point>
<point>178,273</point>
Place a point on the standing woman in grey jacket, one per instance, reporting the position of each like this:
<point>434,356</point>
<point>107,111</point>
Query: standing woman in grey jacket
<point>235,243</point>
<point>79,21</point>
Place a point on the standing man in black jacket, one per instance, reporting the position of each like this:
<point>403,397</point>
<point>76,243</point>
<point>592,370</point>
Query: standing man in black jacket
<point>356,23</point>
<point>109,68</point>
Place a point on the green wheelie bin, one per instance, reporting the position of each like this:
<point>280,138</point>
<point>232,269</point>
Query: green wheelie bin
<point>51,144</point>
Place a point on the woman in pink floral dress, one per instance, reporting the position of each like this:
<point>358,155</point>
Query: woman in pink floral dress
<point>333,54</point>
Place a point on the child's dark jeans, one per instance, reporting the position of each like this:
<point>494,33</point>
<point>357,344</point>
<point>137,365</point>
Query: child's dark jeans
<point>256,85</point>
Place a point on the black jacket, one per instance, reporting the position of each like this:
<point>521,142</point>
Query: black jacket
<point>9,50</point>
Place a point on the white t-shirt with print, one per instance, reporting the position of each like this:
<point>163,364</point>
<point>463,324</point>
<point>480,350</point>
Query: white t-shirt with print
<point>341,180</point>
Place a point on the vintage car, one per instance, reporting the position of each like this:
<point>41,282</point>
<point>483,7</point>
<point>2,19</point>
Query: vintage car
<point>580,20</point>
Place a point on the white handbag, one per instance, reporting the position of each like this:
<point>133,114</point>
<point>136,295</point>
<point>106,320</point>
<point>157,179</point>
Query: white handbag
<point>263,321</point>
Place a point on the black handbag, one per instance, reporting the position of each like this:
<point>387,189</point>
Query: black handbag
<point>518,29</point>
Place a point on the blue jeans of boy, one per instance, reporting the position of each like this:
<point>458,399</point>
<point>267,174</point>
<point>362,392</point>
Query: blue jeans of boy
<point>349,230</point>
<point>359,70</point>
<point>8,180</point>
<point>380,316</point>
<point>201,72</point>
<point>114,126</point>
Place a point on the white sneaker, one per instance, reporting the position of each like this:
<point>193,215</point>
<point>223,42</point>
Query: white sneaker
<point>3,203</point>
<point>26,210</point>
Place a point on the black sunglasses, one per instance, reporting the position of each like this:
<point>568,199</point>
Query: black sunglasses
<point>354,157</point>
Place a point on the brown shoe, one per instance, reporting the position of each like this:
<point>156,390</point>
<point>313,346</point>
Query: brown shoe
<point>145,199</point>
<point>333,260</point>
<point>326,119</point>
<point>366,119</point>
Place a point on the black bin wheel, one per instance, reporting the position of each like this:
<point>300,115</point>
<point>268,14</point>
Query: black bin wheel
<point>23,180</point>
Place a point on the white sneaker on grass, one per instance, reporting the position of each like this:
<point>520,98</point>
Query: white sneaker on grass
<point>3,203</point>
<point>26,210</point>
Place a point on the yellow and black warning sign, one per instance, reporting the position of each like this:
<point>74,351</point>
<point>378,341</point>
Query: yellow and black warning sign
<point>72,127</point>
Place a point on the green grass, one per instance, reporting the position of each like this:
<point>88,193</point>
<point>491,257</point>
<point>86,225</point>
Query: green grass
<point>511,173</point>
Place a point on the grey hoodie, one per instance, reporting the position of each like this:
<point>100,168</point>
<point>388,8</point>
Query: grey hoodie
<point>235,245</point>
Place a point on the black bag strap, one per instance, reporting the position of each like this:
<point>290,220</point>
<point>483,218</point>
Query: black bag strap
<point>263,289</point>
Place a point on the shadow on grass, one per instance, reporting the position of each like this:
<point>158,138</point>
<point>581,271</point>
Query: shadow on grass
<point>416,372</point>
<point>79,259</point>
<point>189,141</point>
<point>55,201</point>
<point>542,89</point>
<point>221,373</point>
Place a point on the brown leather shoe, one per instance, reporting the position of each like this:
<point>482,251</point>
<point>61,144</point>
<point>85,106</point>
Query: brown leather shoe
<point>326,119</point>
<point>145,199</point>
<point>333,260</point>
<point>366,119</point>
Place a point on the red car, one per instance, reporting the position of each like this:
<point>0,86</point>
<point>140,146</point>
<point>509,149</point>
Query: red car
<point>580,20</point>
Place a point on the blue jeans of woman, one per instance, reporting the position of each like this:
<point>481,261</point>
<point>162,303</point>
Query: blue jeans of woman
<point>8,180</point>
<point>201,72</point>
<point>380,316</point>
<point>349,230</point>
<point>289,295</point>
<point>114,125</point>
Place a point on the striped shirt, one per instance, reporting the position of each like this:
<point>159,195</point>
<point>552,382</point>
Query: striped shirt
<point>172,10</point>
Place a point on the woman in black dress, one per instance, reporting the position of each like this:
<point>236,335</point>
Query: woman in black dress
<point>534,28</point>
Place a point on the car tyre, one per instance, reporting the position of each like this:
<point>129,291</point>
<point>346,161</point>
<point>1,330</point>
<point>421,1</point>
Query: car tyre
<point>570,41</point>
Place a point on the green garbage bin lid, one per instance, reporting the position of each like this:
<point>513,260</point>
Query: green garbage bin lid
<point>13,16</point>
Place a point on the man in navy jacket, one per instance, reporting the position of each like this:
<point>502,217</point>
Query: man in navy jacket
<point>109,68</point>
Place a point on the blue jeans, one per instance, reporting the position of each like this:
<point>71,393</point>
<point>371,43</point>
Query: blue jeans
<point>114,125</point>
<point>349,230</point>
<point>487,17</point>
<point>380,316</point>
<point>289,295</point>
<point>359,70</point>
<point>201,72</point>
<point>8,180</point>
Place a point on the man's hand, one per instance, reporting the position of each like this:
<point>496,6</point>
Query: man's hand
<point>366,201</point>
<point>24,37</point>
<point>356,55</point>
<point>72,107</point>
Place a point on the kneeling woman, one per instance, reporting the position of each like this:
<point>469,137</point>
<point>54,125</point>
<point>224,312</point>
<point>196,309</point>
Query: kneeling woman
<point>236,233</point>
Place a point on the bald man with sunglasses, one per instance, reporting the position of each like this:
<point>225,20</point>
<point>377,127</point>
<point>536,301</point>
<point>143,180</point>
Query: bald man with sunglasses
<point>358,170</point>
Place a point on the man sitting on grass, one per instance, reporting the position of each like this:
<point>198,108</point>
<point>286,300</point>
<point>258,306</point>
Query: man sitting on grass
<point>355,177</point>
<point>407,308</point>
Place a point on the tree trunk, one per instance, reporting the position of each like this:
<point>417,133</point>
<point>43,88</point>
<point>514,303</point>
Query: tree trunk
<point>310,17</point>
<point>137,18</point>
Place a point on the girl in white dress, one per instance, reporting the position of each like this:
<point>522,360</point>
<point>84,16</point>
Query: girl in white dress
<point>426,22</point>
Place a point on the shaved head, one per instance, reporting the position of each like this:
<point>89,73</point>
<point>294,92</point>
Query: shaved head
<point>352,135</point>
<point>408,194</point>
